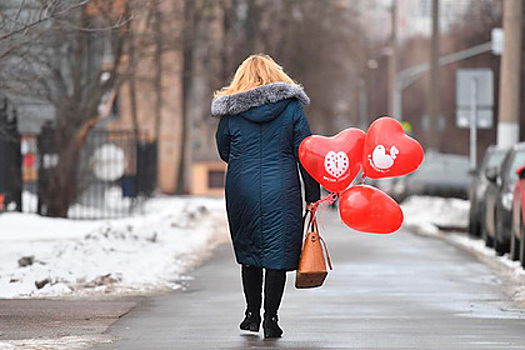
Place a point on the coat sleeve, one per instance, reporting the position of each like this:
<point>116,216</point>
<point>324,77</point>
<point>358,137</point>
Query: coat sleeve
<point>301,131</point>
<point>223,137</point>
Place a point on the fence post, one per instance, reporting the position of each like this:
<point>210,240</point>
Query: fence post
<point>16,152</point>
<point>10,157</point>
<point>45,145</point>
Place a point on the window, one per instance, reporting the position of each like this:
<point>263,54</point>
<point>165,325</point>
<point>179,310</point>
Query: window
<point>215,179</point>
<point>426,10</point>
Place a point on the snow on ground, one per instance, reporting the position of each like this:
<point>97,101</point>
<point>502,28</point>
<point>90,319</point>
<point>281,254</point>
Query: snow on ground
<point>426,215</point>
<point>436,212</point>
<point>58,343</point>
<point>137,254</point>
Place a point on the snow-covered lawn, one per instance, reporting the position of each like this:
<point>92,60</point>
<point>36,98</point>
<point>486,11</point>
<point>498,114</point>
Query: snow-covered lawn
<point>137,254</point>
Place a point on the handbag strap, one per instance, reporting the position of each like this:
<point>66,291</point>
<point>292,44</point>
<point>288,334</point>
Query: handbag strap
<point>314,227</point>
<point>304,222</point>
<point>327,253</point>
<point>312,223</point>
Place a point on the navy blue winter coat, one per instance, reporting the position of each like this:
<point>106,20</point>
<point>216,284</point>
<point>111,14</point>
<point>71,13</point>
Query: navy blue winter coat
<point>258,136</point>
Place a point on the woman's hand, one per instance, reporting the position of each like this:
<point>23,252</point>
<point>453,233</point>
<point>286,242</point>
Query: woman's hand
<point>310,206</point>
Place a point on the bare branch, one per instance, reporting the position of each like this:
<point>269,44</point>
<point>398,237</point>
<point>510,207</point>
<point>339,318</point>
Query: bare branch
<point>43,19</point>
<point>20,9</point>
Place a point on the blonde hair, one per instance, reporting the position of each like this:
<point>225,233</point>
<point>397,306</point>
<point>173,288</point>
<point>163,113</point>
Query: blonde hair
<point>256,70</point>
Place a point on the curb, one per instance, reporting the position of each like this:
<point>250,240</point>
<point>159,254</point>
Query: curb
<point>509,272</point>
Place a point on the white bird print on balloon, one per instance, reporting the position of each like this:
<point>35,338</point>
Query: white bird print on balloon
<point>380,159</point>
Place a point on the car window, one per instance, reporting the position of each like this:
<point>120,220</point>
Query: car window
<point>442,168</point>
<point>517,160</point>
<point>495,158</point>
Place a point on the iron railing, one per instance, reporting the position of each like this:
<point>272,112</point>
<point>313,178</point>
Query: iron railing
<point>10,159</point>
<point>116,171</point>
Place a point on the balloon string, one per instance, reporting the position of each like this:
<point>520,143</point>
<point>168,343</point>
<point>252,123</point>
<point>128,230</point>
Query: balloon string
<point>329,199</point>
<point>321,217</point>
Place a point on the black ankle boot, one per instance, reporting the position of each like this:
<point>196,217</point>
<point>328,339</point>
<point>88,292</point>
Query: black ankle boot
<point>271,328</point>
<point>251,322</point>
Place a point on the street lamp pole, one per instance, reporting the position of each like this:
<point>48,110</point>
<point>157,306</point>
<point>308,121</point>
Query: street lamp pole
<point>392,65</point>
<point>410,75</point>
<point>509,100</point>
<point>434,91</point>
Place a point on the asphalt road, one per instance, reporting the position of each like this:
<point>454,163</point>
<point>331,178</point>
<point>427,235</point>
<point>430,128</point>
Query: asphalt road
<point>387,292</point>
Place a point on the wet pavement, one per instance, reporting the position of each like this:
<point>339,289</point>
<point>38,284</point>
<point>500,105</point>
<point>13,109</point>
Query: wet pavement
<point>387,292</point>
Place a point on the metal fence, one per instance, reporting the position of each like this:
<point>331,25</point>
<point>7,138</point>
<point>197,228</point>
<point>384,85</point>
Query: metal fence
<point>10,159</point>
<point>116,172</point>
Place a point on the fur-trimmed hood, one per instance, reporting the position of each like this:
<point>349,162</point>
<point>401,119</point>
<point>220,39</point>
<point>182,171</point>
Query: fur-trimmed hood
<point>243,101</point>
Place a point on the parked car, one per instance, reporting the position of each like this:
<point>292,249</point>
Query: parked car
<point>498,200</point>
<point>445,175</point>
<point>517,240</point>
<point>493,158</point>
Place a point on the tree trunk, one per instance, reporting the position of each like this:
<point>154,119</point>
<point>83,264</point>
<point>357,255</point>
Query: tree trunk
<point>131,76</point>
<point>251,26</point>
<point>68,141</point>
<point>61,189</point>
<point>158,67</point>
<point>182,186</point>
<point>63,182</point>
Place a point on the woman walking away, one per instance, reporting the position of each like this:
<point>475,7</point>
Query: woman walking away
<point>262,123</point>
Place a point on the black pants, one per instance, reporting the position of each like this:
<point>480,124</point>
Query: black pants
<point>252,282</point>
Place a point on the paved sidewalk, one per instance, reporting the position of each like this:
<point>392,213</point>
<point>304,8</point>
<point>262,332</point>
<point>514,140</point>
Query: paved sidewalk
<point>45,318</point>
<point>386,292</point>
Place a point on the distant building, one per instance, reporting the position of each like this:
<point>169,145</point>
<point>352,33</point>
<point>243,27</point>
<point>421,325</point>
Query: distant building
<point>415,16</point>
<point>205,170</point>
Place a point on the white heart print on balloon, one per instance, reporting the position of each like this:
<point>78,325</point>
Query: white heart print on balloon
<point>336,164</point>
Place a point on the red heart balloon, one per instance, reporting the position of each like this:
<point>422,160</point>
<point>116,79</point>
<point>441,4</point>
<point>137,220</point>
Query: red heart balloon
<point>333,161</point>
<point>389,151</point>
<point>365,208</point>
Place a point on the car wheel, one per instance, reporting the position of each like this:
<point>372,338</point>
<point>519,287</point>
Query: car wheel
<point>499,246</point>
<point>473,228</point>
<point>522,251</point>
<point>522,242</point>
<point>514,239</point>
<point>473,222</point>
<point>489,242</point>
<point>514,248</point>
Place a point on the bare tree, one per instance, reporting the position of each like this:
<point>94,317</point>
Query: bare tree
<point>321,43</point>
<point>72,62</point>
<point>22,16</point>
<point>472,29</point>
<point>182,185</point>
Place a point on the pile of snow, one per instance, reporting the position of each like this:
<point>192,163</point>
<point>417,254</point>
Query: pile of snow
<point>478,246</point>
<point>432,213</point>
<point>136,254</point>
<point>29,202</point>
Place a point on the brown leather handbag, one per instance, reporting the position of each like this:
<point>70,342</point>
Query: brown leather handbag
<point>312,266</point>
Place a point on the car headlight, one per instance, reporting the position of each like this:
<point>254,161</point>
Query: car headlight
<point>506,200</point>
